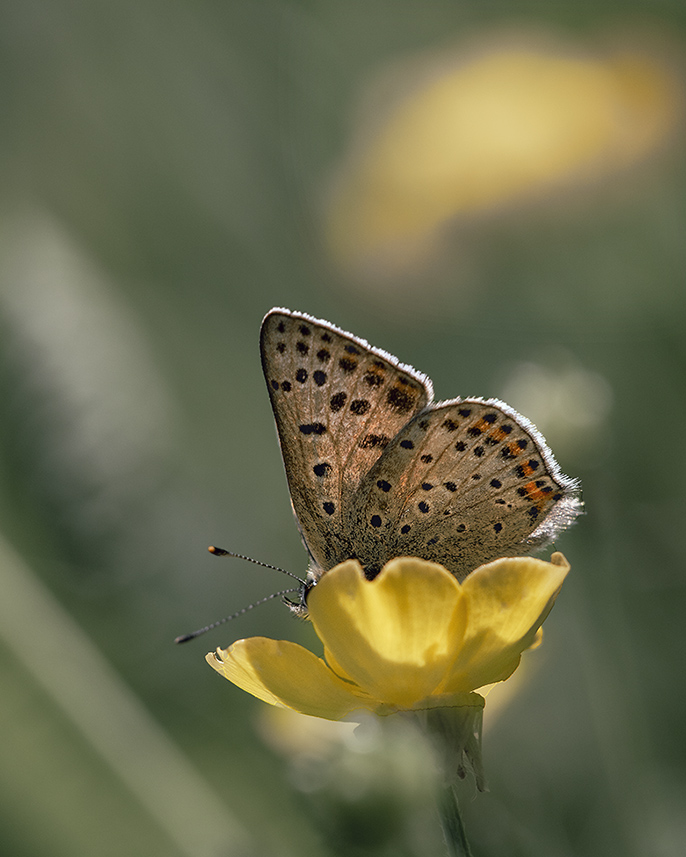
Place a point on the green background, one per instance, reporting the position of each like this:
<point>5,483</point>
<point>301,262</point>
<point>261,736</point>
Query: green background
<point>163,169</point>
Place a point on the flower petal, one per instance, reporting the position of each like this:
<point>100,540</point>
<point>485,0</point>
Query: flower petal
<point>508,601</point>
<point>289,676</point>
<point>395,636</point>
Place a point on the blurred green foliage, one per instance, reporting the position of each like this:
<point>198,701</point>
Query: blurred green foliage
<point>164,168</point>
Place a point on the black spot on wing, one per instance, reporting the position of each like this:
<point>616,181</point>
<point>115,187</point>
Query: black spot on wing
<point>313,428</point>
<point>337,401</point>
<point>372,441</point>
<point>400,400</point>
<point>359,407</point>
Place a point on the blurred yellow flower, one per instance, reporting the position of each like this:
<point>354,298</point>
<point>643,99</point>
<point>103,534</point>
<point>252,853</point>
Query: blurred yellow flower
<point>504,123</point>
<point>411,639</point>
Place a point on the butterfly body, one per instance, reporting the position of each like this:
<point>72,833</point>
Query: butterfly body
<point>376,469</point>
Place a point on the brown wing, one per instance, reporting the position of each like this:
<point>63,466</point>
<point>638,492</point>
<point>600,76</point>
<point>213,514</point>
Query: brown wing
<point>463,483</point>
<point>338,403</point>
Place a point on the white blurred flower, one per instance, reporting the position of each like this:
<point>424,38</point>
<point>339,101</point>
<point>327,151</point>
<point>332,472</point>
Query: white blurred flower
<point>568,403</point>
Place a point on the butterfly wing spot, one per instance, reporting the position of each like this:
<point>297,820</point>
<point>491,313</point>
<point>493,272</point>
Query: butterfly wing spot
<point>302,347</point>
<point>337,401</point>
<point>313,428</point>
<point>301,375</point>
<point>360,407</point>
<point>319,377</point>
<point>406,444</point>
<point>523,471</point>
<point>373,378</point>
<point>323,355</point>
<point>304,330</point>
<point>286,386</point>
<point>347,364</point>
<point>383,485</point>
<point>514,448</point>
<point>322,469</point>
<point>426,459</point>
<point>497,527</point>
<point>375,521</point>
<point>329,508</point>
<point>371,441</point>
<point>400,400</point>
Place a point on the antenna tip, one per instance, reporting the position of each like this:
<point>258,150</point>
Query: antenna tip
<point>217,551</point>
<point>184,638</point>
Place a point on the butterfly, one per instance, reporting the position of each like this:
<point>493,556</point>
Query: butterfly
<point>376,469</point>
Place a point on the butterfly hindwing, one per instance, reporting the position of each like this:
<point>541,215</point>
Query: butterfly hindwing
<point>338,403</point>
<point>463,482</point>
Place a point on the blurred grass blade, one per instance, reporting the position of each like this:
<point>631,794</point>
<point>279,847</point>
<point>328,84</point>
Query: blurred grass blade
<point>64,661</point>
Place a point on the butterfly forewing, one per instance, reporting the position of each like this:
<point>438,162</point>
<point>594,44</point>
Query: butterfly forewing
<point>462,483</point>
<point>338,403</point>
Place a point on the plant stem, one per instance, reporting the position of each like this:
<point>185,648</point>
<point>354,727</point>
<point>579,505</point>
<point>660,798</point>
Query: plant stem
<point>452,824</point>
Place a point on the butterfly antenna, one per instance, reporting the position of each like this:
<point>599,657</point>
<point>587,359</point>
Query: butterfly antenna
<point>184,638</point>
<point>213,549</point>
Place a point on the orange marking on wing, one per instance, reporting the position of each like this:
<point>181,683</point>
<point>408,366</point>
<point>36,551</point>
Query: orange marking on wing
<point>482,425</point>
<point>535,494</point>
<point>498,435</point>
<point>526,469</point>
<point>515,449</point>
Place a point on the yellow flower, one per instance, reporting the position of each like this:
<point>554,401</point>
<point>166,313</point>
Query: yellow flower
<point>412,639</point>
<point>485,127</point>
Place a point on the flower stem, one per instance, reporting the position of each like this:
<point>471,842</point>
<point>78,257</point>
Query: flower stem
<point>452,824</point>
